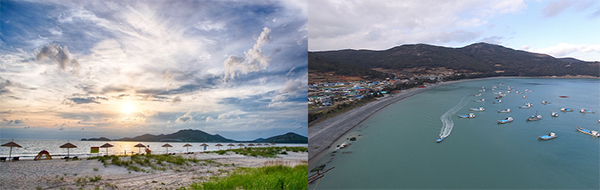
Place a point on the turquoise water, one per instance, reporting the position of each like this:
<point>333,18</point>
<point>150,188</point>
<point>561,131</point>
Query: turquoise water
<point>397,149</point>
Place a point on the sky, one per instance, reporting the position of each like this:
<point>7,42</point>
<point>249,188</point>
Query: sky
<point>560,28</point>
<point>82,69</point>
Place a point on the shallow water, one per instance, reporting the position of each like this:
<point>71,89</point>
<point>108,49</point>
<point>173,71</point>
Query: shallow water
<point>397,149</point>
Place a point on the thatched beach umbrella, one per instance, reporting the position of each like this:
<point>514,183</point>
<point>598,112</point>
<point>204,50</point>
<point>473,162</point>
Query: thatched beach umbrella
<point>187,147</point>
<point>219,145</point>
<point>106,146</point>
<point>230,145</point>
<point>204,145</point>
<point>68,146</point>
<point>11,144</point>
<point>167,146</point>
<point>258,144</point>
<point>139,145</point>
<point>240,145</point>
<point>250,144</point>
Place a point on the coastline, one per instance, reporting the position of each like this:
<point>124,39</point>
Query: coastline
<point>323,134</point>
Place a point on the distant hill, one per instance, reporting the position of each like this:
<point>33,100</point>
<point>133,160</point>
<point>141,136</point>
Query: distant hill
<point>492,60</point>
<point>570,60</point>
<point>285,138</point>
<point>190,135</point>
<point>322,65</point>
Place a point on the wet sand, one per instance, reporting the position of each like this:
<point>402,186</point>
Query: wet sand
<point>61,174</point>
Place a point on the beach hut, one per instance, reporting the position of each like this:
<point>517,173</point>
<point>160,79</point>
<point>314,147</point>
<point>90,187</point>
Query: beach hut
<point>187,147</point>
<point>106,145</point>
<point>167,146</point>
<point>11,144</point>
<point>139,146</point>
<point>240,145</point>
<point>219,145</point>
<point>68,146</point>
<point>204,145</point>
<point>230,145</point>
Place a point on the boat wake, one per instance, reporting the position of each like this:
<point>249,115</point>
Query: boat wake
<point>446,117</point>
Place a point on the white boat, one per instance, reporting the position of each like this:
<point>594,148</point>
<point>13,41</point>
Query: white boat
<point>504,111</point>
<point>477,95</point>
<point>593,133</point>
<point>497,101</point>
<point>546,102</point>
<point>470,115</point>
<point>534,117</point>
<point>554,114</point>
<point>587,111</point>
<point>343,145</point>
<point>524,97</point>
<point>527,105</point>
<point>480,100</point>
<point>548,136</point>
<point>477,109</point>
<point>506,120</point>
<point>566,109</point>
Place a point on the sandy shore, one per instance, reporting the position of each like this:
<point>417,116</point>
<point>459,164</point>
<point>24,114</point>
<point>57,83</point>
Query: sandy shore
<point>323,134</point>
<point>61,174</point>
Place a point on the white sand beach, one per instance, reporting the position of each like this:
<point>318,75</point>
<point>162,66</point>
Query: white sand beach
<point>75,174</point>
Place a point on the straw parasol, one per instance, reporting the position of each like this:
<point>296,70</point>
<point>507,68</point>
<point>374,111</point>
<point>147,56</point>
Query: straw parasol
<point>11,144</point>
<point>204,145</point>
<point>258,144</point>
<point>230,145</point>
<point>240,145</point>
<point>219,146</point>
<point>167,146</point>
<point>250,144</point>
<point>187,147</point>
<point>106,145</point>
<point>68,146</point>
<point>139,145</point>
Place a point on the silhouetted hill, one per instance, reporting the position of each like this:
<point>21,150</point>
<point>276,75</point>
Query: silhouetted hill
<point>285,138</point>
<point>186,135</point>
<point>492,60</point>
<point>96,139</point>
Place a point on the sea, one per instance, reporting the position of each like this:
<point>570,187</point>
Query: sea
<point>31,148</point>
<point>396,147</point>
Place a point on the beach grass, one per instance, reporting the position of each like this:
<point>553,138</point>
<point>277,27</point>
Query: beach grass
<point>265,152</point>
<point>268,177</point>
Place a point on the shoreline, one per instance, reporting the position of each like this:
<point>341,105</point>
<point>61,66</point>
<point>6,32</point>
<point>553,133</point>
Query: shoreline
<point>323,134</point>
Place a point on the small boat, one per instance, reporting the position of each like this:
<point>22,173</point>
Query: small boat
<point>477,109</point>
<point>494,86</point>
<point>524,97</point>
<point>497,101</point>
<point>480,100</point>
<point>527,105</point>
<point>534,117</point>
<point>343,145</point>
<point>478,94</point>
<point>498,97</point>
<point>563,96</point>
<point>504,111</point>
<point>548,136</point>
<point>593,133</point>
<point>506,120</point>
<point>566,109</point>
<point>546,102</point>
<point>440,139</point>
<point>554,114</point>
<point>470,115</point>
<point>587,111</point>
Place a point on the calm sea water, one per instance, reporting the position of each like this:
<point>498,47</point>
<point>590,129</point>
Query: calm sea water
<point>396,147</point>
<point>32,147</point>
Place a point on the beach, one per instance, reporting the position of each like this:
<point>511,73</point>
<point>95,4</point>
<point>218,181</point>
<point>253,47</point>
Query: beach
<point>88,174</point>
<point>322,135</point>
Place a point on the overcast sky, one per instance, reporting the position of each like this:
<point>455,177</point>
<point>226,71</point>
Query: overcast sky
<point>80,69</point>
<point>560,28</point>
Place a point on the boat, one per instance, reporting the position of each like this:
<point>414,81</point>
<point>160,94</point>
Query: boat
<point>593,133</point>
<point>524,97</point>
<point>527,105</point>
<point>549,136</point>
<point>343,145</point>
<point>587,111</point>
<point>566,109</point>
<point>506,120</point>
<point>477,109</point>
<point>470,115</point>
<point>497,101</point>
<point>480,100</point>
<point>478,94</point>
<point>534,117</point>
<point>546,102</point>
<point>504,111</point>
<point>440,139</point>
<point>498,97</point>
<point>554,114</point>
<point>563,96</point>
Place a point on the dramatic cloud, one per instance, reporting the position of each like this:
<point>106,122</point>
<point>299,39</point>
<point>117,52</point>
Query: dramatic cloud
<point>254,59</point>
<point>185,118</point>
<point>56,53</point>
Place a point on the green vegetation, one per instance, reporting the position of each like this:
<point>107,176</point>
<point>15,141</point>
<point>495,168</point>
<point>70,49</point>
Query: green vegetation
<point>266,152</point>
<point>144,163</point>
<point>270,177</point>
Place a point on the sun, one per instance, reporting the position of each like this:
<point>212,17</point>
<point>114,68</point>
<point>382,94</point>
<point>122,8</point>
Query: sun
<point>128,108</point>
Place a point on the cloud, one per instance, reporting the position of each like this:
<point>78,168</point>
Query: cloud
<point>185,118</point>
<point>209,119</point>
<point>565,49</point>
<point>493,40</point>
<point>231,114</point>
<point>83,99</point>
<point>253,60</point>
<point>57,53</point>
<point>176,100</point>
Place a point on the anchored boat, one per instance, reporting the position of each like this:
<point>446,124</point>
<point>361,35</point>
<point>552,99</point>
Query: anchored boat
<point>534,117</point>
<point>566,109</point>
<point>587,111</point>
<point>504,111</point>
<point>497,101</point>
<point>554,114</point>
<point>593,133</point>
<point>506,120</point>
<point>546,102</point>
<point>477,109</point>
<point>480,100</point>
<point>470,115</point>
<point>548,136</point>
